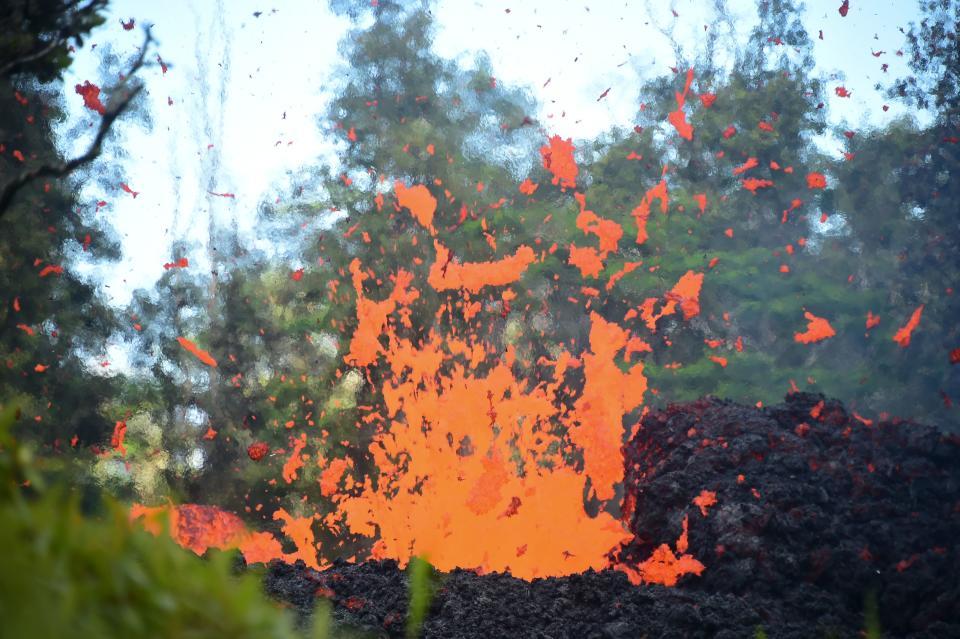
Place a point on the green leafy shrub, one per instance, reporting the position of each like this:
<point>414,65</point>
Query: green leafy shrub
<point>69,574</point>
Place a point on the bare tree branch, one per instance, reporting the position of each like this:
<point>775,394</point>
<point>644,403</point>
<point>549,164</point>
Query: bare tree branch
<point>117,106</point>
<point>29,57</point>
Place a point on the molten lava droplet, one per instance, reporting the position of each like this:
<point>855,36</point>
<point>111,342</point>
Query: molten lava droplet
<point>257,451</point>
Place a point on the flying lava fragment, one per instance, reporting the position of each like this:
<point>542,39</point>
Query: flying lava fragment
<point>118,437</point>
<point>818,329</point>
<point>528,188</point>
<point>202,355</point>
<point>642,212</point>
<point>816,181</point>
<point>752,184</point>
<point>678,118</point>
<point>586,259</point>
<point>91,97</point>
<point>589,222</point>
<point>448,273</point>
<point>418,200</point>
<point>558,159</point>
<point>686,293</point>
<point>257,451</point>
<point>902,336</point>
<point>746,166</point>
<point>51,268</point>
<point>181,263</point>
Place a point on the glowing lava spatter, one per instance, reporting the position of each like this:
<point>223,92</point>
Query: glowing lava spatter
<point>642,212</point>
<point>482,460</point>
<point>458,507</point>
<point>678,118</point>
<point>818,329</point>
<point>558,159</point>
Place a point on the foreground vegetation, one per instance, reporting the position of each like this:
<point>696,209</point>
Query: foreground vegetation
<point>67,573</point>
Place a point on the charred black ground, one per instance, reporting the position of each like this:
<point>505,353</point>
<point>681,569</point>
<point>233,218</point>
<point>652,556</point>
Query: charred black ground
<point>816,510</point>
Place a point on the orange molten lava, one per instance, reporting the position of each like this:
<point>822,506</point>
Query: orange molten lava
<point>902,336</point>
<point>447,273</point>
<point>202,355</point>
<point>817,329</point>
<point>508,502</point>
<point>418,201</point>
<point>642,213</point>
<point>482,460</point>
<point>558,159</point>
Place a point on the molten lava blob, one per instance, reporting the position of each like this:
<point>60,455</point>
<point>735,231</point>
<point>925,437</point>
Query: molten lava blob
<point>446,273</point>
<point>678,118</point>
<point>686,293</point>
<point>194,527</point>
<point>642,212</point>
<point>902,336</point>
<point>200,354</point>
<point>558,159</point>
<point>91,96</point>
<point>607,395</point>
<point>589,222</point>
<point>586,259</point>
<point>665,566</point>
<point>499,503</point>
<point>418,200</point>
<point>818,329</point>
<point>199,528</point>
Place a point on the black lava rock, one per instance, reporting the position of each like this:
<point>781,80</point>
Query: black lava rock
<point>816,511</point>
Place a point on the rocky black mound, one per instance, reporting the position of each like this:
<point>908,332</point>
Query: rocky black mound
<point>816,510</point>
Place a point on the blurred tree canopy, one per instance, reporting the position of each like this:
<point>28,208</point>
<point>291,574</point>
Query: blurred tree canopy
<point>37,37</point>
<point>51,320</point>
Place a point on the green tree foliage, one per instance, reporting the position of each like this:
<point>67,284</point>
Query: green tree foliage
<point>52,321</point>
<point>879,238</point>
<point>69,573</point>
<point>38,35</point>
<point>934,59</point>
<point>761,258</point>
<point>899,194</point>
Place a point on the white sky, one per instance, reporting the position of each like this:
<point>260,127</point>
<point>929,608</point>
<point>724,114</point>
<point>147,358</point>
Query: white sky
<point>253,88</point>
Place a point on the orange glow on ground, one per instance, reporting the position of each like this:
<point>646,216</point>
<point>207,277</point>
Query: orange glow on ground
<point>665,566</point>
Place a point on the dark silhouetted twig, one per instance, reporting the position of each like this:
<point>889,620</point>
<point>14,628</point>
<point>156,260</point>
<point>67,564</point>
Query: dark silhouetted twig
<point>116,108</point>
